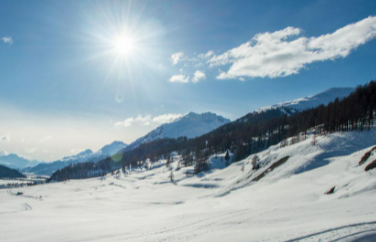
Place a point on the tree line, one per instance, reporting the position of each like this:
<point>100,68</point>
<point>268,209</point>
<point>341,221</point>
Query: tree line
<point>250,134</point>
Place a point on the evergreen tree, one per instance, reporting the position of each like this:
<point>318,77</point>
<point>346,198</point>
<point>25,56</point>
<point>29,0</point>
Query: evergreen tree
<point>248,135</point>
<point>227,158</point>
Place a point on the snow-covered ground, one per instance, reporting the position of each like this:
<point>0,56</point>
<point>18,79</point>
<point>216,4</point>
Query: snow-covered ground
<point>287,204</point>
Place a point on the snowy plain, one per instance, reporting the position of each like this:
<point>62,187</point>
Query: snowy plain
<point>226,204</point>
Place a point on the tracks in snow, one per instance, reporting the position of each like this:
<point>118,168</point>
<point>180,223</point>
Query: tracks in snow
<point>338,234</point>
<point>27,206</point>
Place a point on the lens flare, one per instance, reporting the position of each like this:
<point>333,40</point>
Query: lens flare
<point>117,157</point>
<point>119,97</point>
<point>124,45</point>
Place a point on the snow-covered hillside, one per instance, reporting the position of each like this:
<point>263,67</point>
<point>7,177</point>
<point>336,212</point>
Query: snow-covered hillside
<point>284,200</point>
<point>190,125</point>
<point>311,101</point>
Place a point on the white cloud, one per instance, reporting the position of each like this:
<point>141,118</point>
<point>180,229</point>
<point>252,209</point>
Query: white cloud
<point>148,120</point>
<point>76,151</point>
<point>207,55</point>
<point>5,138</point>
<point>198,76</point>
<point>179,78</point>
<point>7,40</point>
<point>3,153</point>
<point>44,139</point>
<point>175,58</point>
<point>283,53</point>
<point>126,123</point>
<point>129,122</point>
<point>166,118</point>
<point>31,150</point>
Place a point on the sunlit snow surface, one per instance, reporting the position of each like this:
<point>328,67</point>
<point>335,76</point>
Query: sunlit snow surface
<point>288,204</point>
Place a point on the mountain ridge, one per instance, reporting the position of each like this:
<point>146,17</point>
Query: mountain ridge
<point>300,104</point>
<point>83,156</point>
<point>15,161</point>
<point>190,125</point>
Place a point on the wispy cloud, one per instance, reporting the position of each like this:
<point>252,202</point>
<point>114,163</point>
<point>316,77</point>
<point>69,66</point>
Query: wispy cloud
<point>175,58</point>
<point>199,75</point>
<point>76,151</point>
<point>179,78</point>
<point>3,153</point>
<point>45,139</point>
<point>7,40</point>
<point>166,118</point>
<point>283,53</point>
<point>140,120</point>
<point>31,150</point>
<point>5,138</point>
<point>206,55</point>
<point>148,120</point>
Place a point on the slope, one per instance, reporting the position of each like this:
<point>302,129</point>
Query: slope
<point>6,172</point>
<point>190,125</point>
<point>221,205</point>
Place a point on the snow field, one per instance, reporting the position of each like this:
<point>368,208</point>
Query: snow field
<point>287,204</point>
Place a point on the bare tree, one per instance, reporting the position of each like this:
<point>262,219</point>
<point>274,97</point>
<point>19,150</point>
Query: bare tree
<point>171,176</point>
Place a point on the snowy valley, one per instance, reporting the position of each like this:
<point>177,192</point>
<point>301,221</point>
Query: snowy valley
<point>187,121</point>
<point>317,183</point>
<point>226,204</point>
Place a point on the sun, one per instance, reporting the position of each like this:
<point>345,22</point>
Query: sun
<point>124,45</point>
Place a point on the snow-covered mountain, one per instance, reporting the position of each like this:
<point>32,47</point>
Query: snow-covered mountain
<point>310,101</point>
<point>110,149</point>
<point>84,156</point>
<point>15,162</point>
<point>89,155</point>
<point>284,200</point>
<point>80,156</point>
<point>190,125</point>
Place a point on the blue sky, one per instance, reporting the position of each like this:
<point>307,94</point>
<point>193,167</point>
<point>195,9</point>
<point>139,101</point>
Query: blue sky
<point>80,74</point>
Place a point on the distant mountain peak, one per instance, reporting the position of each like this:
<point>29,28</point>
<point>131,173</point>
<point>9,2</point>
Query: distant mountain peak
<point>15,161</point>
<point>189,125</point>
<point>79,155</point>
<point>83,156</point>
<point>116,142</point>
<point>203,116</point>
<point>112,148</point>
